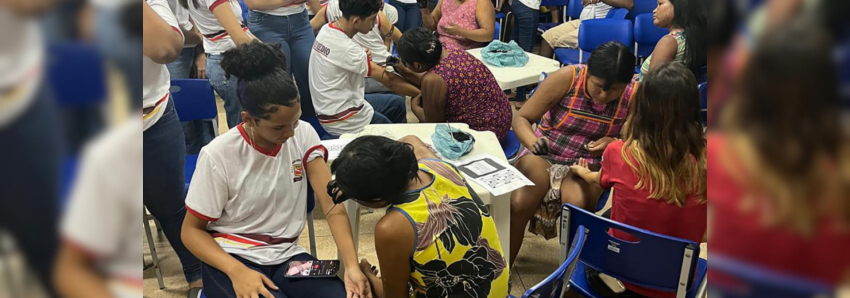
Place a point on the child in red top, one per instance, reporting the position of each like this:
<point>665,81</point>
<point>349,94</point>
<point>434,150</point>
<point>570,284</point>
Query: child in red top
<point>658,170</point>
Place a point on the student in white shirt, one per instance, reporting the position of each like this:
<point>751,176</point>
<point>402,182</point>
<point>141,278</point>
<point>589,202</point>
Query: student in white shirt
<point>248,199</point>
<point>221,24</point>
<point>566,34</point>
<point>378,40</point>
<point>338,67</point>
<point>287,23</point>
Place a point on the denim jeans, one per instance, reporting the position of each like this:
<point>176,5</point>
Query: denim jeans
<point>409,16</point>
<point>218,285</point>
<point>389,108</point>
<point>295,36</point>
<point>164,185</point>
<point>31,159</point>
<point>226,88</point>
<point>524,31</point>
<point>198,133</point>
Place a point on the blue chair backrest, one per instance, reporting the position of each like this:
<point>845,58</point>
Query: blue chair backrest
<point>496,32</point>
<point>574,9</point>
<point>194,99</point>
<point>593,33</point>
<point>244,10</point>
<point>748,281</point>
<point>553,285</point>
<point>543,76</point>
<point>77,74</point>
<point>703,96</point>
<point>655,261</point>
<point>641,7</point>
<point>647,35</point>
<point>617,13</point>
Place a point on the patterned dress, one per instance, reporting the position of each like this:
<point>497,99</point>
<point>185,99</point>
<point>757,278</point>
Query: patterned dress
<point>570,125</point>
<point>472,94</point>
<point>457,252</point>
<point>680,54</point>
<point>462,15</point>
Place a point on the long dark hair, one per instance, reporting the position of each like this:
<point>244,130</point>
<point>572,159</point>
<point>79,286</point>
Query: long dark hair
<point>420,45</point>
<point>613,62</point>
<point>785,122</point>
<point>375,168</point>
<point>262,79</point>
<point>691,16</point>
<point>665,137</point>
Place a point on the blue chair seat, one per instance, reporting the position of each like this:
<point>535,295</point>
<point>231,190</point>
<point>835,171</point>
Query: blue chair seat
<point>511,145</point>
<point>579,279</point>
<point>500,15</point>
<point>189,168</point>
<point>543,27</point>
<point>570,56</point>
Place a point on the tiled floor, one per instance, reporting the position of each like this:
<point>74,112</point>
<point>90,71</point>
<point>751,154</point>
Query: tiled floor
<point>530,268</point>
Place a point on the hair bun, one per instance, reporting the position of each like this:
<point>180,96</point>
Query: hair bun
<point>253,60</point>
<point>400,158</point>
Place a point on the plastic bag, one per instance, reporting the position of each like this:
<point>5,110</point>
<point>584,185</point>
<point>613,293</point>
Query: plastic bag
<point>452,143</point>
<point>502,54</point>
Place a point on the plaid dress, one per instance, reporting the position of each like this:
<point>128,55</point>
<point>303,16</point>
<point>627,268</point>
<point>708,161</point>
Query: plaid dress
<point>576,121</point>
<point>573,123</point>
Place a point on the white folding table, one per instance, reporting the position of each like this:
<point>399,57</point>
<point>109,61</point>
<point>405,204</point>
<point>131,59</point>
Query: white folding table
<point>512,77</point>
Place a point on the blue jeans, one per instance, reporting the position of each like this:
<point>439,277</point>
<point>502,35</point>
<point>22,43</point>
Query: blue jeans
<point>295,36</point>
<point>389,108</point>
<point>218,285</point>
<point>524,30</point>
<point>198,133</point>
<point>164,185</point>
<point>226,88</point>
<point>409,16</point>
<point>31,159</point>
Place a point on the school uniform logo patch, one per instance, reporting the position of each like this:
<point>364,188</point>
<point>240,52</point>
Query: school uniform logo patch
<point>297,171</point>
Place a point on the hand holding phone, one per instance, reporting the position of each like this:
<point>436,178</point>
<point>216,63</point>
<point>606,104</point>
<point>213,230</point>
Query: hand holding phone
<point>305,269</point>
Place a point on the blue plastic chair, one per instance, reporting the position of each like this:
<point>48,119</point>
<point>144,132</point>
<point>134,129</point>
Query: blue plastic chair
<point>574,10</point>
<point>603,199</point>
<point>646,35</point>
<point>194,99</point>
<point>656,261</point>
<point>77,75</point>
<point>511,145</point>
<point>755,282</point>
<point>323,134</point>
<point>553,285</point>
<point>542,27</point>
<point>543,76</point>
<point>617,13</point>
<point>641,7</point>
<point>498,31</point>
<point>703,102</point>
<point>593,33</point>
<point>244,10</point>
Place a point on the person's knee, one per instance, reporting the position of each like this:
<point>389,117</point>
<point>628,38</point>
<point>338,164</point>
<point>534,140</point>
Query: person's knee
<point>522,204</point>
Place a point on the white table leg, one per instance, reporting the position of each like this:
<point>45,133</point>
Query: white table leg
<point>353,210</point>
<point>501,211</point>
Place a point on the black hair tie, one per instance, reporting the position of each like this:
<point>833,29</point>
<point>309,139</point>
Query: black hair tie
<point>336,194</point>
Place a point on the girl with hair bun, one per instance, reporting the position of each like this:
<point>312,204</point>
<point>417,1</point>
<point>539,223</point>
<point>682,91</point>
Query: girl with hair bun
<point>247,203</point>
<point>437,238</point>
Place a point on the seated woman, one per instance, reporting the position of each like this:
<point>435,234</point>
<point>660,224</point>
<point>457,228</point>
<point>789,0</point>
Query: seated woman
<point>583,108</point>
<point>247,203</point>
<point>437,238</point>
<point>686,43</point>
<point>462,24</point>
<point>658,170</point>
<point>456,87</point>
<point>771,180</point>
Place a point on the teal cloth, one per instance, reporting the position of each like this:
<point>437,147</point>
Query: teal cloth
<point>447,145</point>
<point>508,55</point>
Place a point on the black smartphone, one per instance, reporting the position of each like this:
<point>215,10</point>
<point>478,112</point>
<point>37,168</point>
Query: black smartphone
<point>306,269</point>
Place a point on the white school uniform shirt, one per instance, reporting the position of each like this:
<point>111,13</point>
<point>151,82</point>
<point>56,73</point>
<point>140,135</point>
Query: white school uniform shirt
<point>111,3</point>
<point>156,80</point>
<point>338,68</point>
<point>533,4</point>
<point>595,11</point>
<point>216,39</point>
<point>183,19</point>
<point>21,61</point>
<point>103,213</point>
<point>295,7</point>
<point>374,40</point>
<point>254,198</point>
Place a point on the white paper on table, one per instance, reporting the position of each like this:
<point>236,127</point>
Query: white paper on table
<point>495,175</point>
<point>335,147</point>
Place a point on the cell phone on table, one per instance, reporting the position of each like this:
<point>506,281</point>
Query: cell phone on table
<point>307,269</point>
